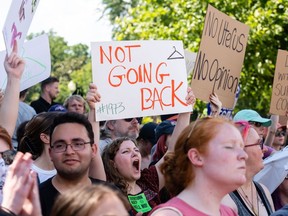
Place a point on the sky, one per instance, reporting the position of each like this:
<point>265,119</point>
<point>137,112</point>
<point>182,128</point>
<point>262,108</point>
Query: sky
<point>77,21</point>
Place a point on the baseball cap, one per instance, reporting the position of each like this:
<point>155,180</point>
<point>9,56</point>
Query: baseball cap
<point>251,115</point>
<point>147,132</point>
<point>283,127</point>
<point>57,108</point>
<point>165,127</point>
<point>169,117</point>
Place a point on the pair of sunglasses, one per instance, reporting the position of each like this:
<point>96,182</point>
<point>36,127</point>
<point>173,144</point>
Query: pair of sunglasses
<point>280,133</point>
<point>256,124</point>
<point>130,119</point>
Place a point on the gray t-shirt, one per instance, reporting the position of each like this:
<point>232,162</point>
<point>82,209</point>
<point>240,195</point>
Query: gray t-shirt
<point>25,113</point>
<point>103,143</point>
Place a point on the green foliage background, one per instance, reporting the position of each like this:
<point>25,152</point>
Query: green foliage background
<point>68,63</point>
<point>183,20</point>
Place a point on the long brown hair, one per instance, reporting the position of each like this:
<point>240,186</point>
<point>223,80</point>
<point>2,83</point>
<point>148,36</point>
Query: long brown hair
<point>112,173</point>
<point>31,141</point>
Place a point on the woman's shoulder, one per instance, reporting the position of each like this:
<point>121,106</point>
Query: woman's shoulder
<point>166,210</point>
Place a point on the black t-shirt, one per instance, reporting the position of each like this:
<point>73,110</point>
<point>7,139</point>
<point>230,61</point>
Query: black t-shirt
<point>48,193</point>
<point>41,105</point>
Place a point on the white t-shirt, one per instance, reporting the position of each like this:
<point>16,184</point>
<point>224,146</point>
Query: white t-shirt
<point>43,175</point>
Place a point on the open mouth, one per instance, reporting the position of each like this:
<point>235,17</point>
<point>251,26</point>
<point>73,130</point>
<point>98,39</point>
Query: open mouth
<point>136,164</point>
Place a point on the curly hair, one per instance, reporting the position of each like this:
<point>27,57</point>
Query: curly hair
<point>177,168</point>
<point>112,173</point>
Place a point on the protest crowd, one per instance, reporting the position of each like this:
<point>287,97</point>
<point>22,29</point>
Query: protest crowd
<point>57,159</point>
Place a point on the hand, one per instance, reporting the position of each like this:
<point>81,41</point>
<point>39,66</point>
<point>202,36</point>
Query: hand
<point>32,206</point>
<point>19,183</point>
<point>14,65</point>
<point>92,96</point>
<point>215,104</point>
<point>190,98</point>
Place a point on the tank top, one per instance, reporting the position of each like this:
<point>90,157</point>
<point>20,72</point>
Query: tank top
<point>243,210</point>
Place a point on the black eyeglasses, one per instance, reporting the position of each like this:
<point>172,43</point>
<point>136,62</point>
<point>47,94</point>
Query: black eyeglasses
<point>260,143</point>
<point>61,146</point>
<point>8,156</point>
<point>130,119</point>
<point>256,124</point>
<point>280,133</point>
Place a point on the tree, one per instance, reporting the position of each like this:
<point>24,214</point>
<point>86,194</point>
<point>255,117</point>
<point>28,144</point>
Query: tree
<point>65,62</point>
<point>184,20</point>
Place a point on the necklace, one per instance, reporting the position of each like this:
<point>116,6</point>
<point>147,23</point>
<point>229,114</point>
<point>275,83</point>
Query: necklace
<point>244,196</point>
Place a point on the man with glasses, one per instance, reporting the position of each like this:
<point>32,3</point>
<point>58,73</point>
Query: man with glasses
<point>71,150</point>
<point>113,129</point>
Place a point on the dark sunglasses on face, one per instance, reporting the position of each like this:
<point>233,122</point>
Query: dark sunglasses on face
<point>280,133</point>
<point>260,143</point>
<point>130,119</point>
<point>8,156</point>
<point>256,124</point>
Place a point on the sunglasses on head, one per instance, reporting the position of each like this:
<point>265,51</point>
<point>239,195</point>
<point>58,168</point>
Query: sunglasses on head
<point>256,124</point>
<point>280,133</point>
<point>130,119</point>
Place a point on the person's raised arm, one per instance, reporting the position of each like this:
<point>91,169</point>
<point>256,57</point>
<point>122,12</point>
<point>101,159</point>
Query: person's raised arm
<point>14,66</point>
<point>215,104</point>
<point>96,167</point>
<point>183,121</point>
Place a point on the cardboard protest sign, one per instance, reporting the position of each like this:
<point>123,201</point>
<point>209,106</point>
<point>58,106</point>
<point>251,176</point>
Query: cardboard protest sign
<point>283,120</point>
<point>220,57</point>
<point>36,54</point>
<point>279,99</point>
<point>18,21</point>
<point>139,78</point>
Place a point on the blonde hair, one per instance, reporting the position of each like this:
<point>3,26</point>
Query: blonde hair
<point>84,199</point>
<point>78,98</point>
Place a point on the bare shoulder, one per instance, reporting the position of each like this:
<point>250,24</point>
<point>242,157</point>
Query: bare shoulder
<point>164,211</point>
